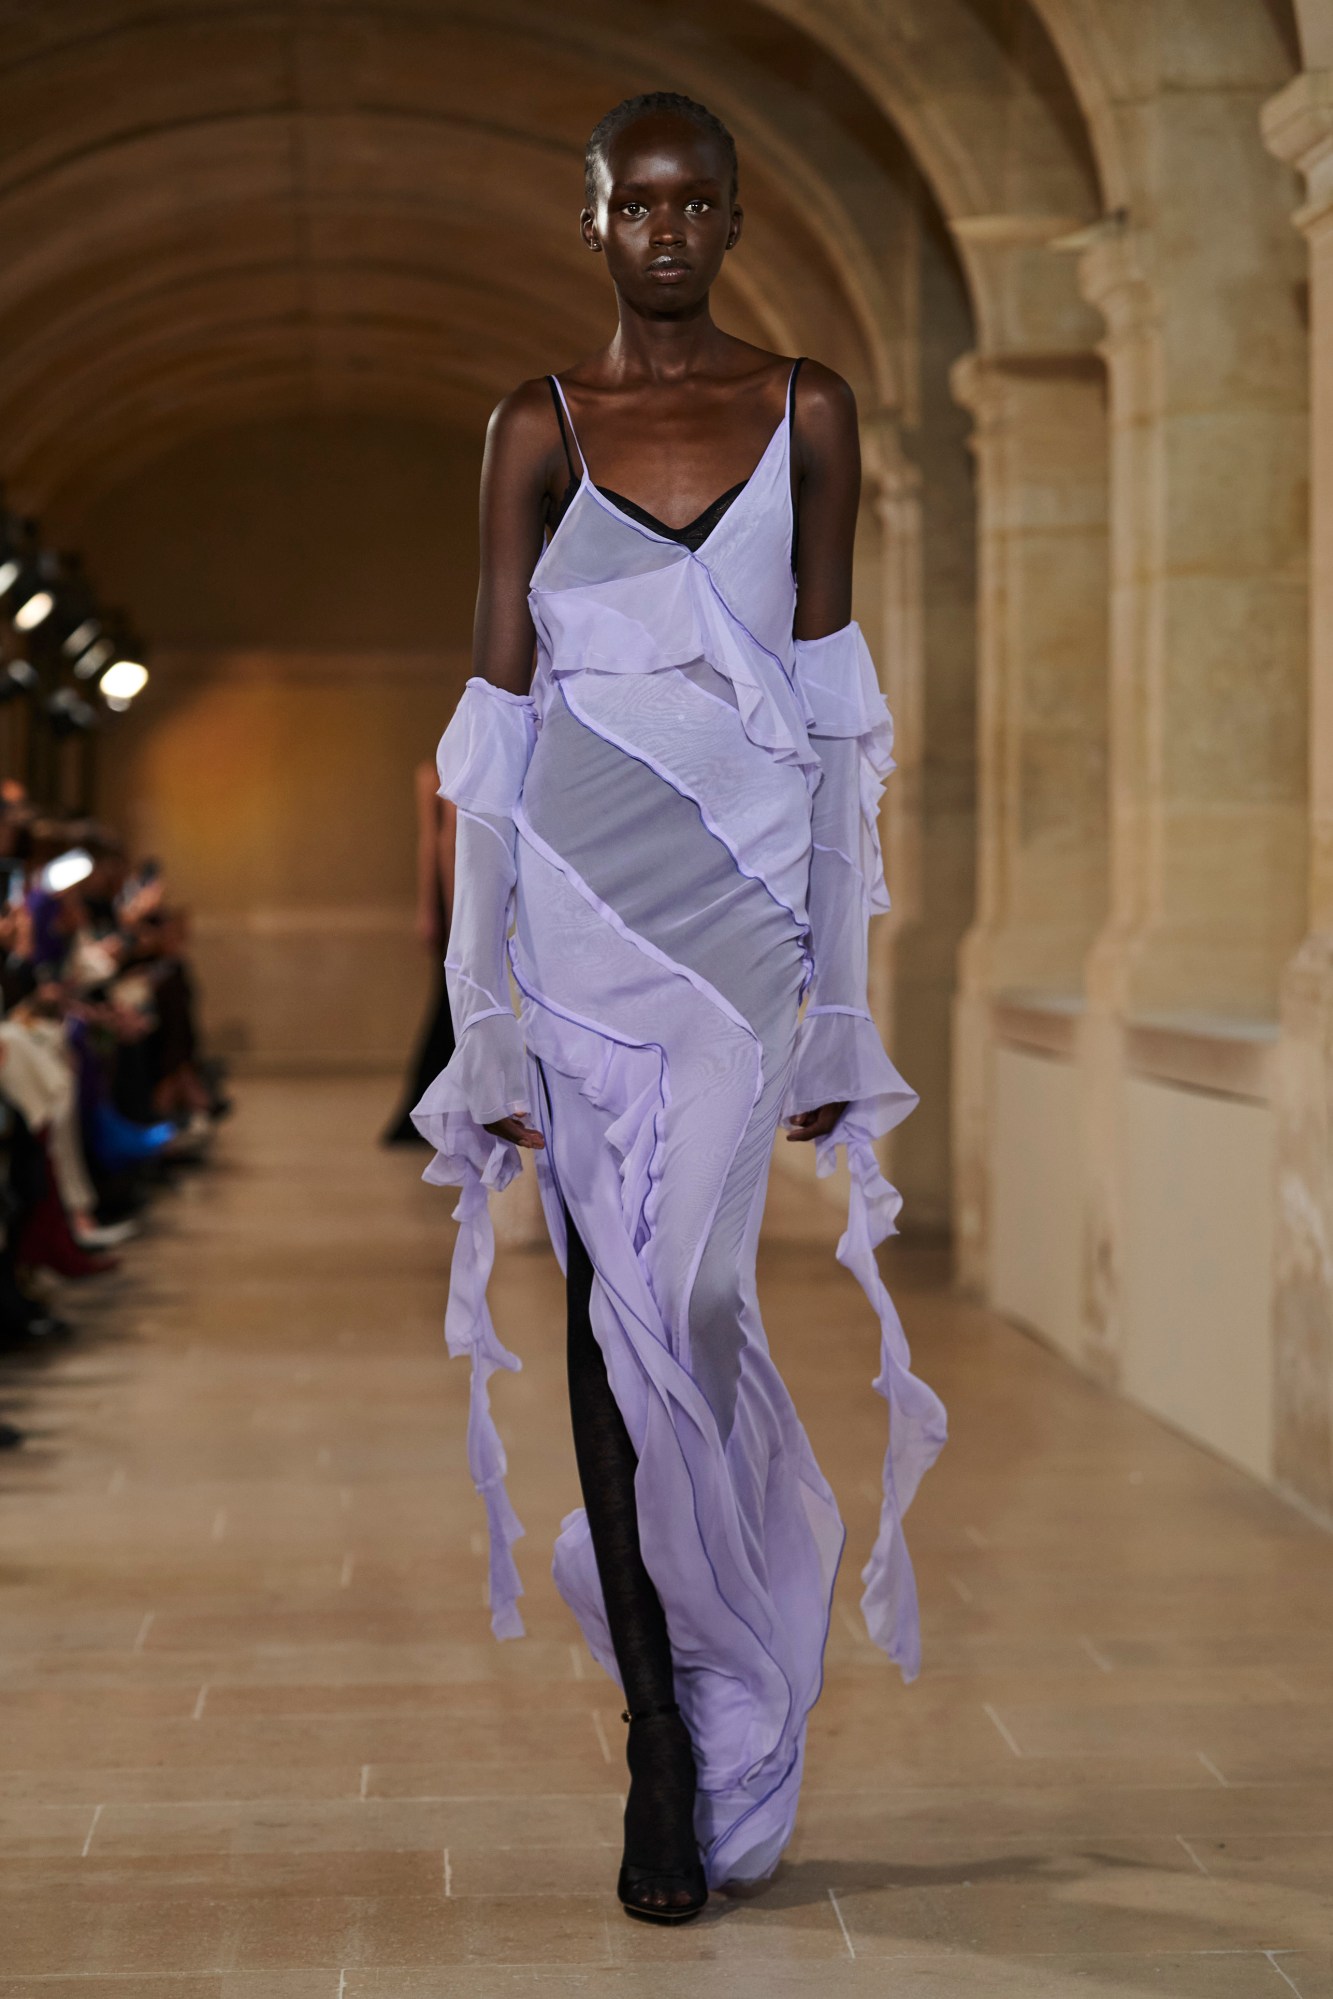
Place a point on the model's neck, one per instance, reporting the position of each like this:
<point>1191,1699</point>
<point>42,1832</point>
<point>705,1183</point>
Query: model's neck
<point>665,348</point>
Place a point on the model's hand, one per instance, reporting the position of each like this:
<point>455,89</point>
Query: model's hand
<point>814,1124</point>
<point>518,1131</point>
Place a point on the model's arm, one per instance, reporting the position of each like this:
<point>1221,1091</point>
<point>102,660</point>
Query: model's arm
<point>516,477</point>
<point>828,494</point>
<point>522,444</point>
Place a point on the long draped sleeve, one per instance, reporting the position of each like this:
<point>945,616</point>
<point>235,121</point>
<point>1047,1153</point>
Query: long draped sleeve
<point>841,1059</point>
<point>482,758</point>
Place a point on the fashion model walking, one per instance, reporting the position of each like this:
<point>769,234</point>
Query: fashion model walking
<point>667,768</point>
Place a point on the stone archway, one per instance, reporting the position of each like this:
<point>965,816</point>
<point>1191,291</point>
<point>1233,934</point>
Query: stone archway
<point>283,218</point>
<point>265,227</point>
<point>267,220</point>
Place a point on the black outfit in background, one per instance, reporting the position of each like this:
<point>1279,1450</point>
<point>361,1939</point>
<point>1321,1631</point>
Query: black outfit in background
<point>434,1049</point>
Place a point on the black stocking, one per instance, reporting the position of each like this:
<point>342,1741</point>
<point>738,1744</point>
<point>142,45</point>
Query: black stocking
<point>659,1835</point>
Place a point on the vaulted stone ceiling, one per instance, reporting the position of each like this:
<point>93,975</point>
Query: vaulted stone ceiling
<point>209,212</point>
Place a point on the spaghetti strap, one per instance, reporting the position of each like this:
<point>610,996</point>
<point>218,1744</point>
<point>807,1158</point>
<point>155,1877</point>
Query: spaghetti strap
<point>561,412</point>
<point>563,400</point>
<point>791,397</point>
<point>791,439</point>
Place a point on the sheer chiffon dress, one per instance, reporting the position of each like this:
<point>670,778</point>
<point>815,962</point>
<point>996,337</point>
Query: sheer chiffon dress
<point>680,823</point>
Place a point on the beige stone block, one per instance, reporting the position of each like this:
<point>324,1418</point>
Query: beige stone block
<point>1197,1256</point>
<point>1035,1174</point>
<point>1202,142</point>
<point>320,1984</point>
<point>1032,298</point>
<point>1257,53</point>
<point>392,1932</point>
<point>1053,463</point>
<point>1234,718</point>
<point>1232,869</point>
<point>1179,1975</point>
<point>1237,495</point>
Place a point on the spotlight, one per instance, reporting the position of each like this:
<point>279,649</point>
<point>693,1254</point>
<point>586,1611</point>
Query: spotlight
<point>30,575</point>
<point>123,679</point>
<point>33,610</point>
<point>20,676</point>
<point>99,654</point>
<point>78,621</point>
<point>81,638</point>
<point>74,865</point>
<point>68,712</point>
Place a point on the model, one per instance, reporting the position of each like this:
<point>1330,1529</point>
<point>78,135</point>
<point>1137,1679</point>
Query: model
<point>678,812</point>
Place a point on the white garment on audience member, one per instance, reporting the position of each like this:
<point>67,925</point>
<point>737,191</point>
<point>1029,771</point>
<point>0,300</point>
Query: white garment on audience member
<point>37,1077</point>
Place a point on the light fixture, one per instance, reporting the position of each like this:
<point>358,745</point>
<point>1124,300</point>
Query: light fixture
<point>33,610</point>
<point>67,712</point>
<point>74,865</point>
<point>20,676</point>
<point>81,638</point>
<point>98,655</point>
<point>9,574</point>
<point>123,679</point>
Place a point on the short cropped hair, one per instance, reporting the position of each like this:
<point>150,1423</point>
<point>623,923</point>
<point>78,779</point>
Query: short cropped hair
<point>631,108</point>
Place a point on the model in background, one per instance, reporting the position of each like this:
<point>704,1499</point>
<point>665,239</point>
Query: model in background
<point>436,820</point>
<point>680,812</point>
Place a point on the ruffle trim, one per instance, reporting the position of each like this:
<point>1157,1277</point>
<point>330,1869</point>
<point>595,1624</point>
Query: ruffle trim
<point>841,690</point>
<point>483,755</point>
<point>840,1059</point>
<point>485,1079</point>
<point>489,1067</point>
<point>671,617</point>
<point>628,1080</point>
<point>918,1424</point>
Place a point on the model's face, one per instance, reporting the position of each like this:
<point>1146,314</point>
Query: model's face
<point>664,218</point>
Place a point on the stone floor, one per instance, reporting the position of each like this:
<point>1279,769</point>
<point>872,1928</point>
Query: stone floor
<point>258,1744</point>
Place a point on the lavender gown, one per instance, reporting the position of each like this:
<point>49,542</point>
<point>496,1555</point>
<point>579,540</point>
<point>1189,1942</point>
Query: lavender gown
<point>680,822</point>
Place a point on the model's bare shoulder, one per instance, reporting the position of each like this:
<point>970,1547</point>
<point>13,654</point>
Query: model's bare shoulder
<point>826,402</point>
<point>523,420</point>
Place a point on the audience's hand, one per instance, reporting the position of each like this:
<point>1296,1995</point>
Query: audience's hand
<point>142,900</point>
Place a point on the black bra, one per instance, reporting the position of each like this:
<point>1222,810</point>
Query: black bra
<point>695,532</point>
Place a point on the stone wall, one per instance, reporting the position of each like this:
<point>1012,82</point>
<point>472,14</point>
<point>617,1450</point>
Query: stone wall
<point>309,582</point>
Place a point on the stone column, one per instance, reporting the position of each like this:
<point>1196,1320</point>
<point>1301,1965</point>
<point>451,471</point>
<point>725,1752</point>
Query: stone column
<point>924,821</point>
<point>1298,126</point>
<point>1208,653</point>
<point>1039,442</point>
<point>912,947</point>
<point>1130,351</point>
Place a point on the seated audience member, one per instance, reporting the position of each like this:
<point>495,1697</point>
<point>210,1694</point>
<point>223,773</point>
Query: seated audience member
<point>103,1085</point>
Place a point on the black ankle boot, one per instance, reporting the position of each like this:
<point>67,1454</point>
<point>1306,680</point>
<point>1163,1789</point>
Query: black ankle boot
<point>661,1876</point>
